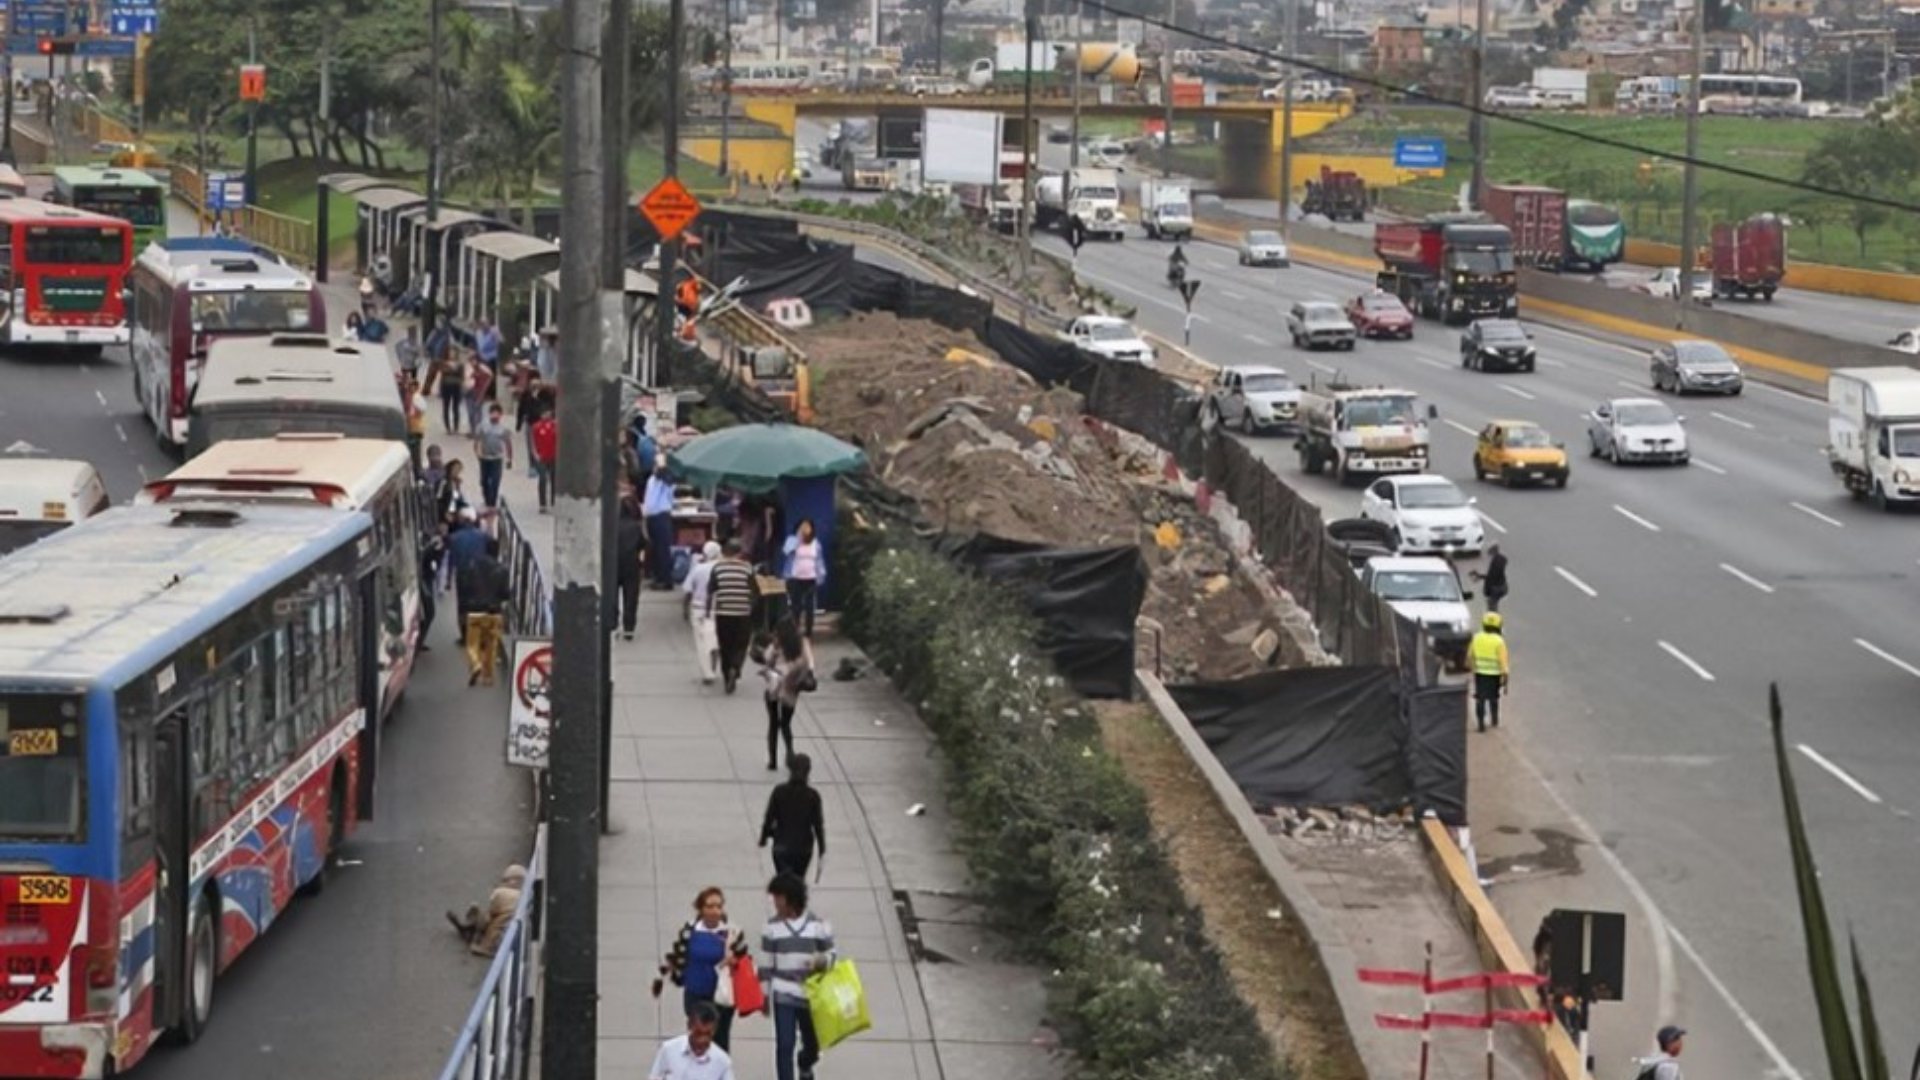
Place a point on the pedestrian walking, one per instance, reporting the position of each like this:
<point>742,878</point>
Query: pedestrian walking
<point>630,551</point>
<point>1666,1064</point>
<point>786,667</point>
<point>366,293</point>
<point>706,645</point>
<point>531,405</point>
<point>657,505</point>
<point>433,476</point>
<point>645,450</point>
<point>1495,577</point>
<point>701,961</point>
<point>465,545</point>
<point>450,379</point>
<point>484,588</point>
<point>726,513</point>
<point>697,1055</point>
<point>546,356</point>
<point>1488,654</point>
<point>408,351</point>
<point>486,345</point>
<point>450,497</point>
<point>479,382</point>
<point>794,945</point>
<point>730,606</point>
<point>493,448</point>
<point>440,341</point>
<point>805,571</point>
<point>416,405</point>
<point>543,442</point>
<point>433,551</point>
<point>795,822</point>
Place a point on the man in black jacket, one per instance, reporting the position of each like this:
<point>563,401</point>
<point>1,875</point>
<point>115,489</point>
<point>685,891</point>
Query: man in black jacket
<point>484,587</point>
<point>630,552</point>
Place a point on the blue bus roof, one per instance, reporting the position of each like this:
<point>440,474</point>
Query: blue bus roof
<point>106,600</point>
<point>209,243</point>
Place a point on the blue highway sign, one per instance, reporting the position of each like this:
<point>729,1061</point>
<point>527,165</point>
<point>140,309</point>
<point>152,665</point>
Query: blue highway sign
<point>1411,153</point>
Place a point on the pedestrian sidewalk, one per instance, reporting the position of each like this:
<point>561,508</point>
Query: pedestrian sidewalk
<point>689,785</point>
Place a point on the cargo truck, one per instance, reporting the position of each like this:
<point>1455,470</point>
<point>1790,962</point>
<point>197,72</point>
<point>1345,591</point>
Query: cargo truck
<point>1166,209</point>
<point>1873,432</point>
<point>1451,267</point>
<point>1750,258</point>
<point>1339,195</point>
<point>1537,218</point>
<point>1087,198</point>
<point>1361,432</point>
<point>1596,236</point>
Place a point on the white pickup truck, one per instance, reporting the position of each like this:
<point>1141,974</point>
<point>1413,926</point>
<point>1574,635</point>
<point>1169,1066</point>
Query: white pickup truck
<point>1873,432</point>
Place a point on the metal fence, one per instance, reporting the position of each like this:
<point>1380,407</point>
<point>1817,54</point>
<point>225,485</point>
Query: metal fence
<point>289,237</point>
<point>496,1042</point>
<point>530,610</point>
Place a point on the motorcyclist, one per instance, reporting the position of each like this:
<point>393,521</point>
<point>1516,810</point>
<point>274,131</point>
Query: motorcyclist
<point>1177,266</point>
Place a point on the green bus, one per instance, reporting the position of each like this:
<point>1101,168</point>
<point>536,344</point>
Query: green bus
<point>129,194</point>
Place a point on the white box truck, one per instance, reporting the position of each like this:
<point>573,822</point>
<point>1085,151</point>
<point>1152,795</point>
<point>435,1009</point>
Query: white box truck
<point>1873,432</point>
<point>1166,209</point>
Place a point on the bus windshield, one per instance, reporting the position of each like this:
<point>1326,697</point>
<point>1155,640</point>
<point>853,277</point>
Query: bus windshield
<point>253,311</point>
<point>55,245</point>
<point>41,767</point>
<point>141,205</point>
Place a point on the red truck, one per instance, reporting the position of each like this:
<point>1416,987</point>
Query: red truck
<point>1451,267</point>
<point>1750,258</point>
<point>1537,217</point>
<point>1337,194</point>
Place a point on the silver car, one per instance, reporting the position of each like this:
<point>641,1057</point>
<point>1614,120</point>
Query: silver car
<point>1317,324</point>
<point>1263,247</point>
<point>1695,367</point>
<point>1254,399</point>
<point>1637,430</point>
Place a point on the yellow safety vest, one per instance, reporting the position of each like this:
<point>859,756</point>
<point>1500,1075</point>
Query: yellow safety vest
<point>1489,653</point>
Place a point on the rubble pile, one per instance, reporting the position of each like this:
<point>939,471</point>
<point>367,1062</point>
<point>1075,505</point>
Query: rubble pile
<point>983,448</point>
<point>1351,824</point>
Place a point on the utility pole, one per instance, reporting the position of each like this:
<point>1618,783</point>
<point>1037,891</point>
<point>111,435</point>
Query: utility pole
<point>1479,122</point>
<point>616,47</point>
<point>1166,82</point>
<point>1079,65</point>
<point>663,304</point>
<point>253,122</point>
<point>726,85</point>
<point>324,195</point>
<point>6,140</point>
<point>1292,31</point>
<point>1688,190</point>
<point>1028,179</point>
<point>570,1005</point>
<point>615,97</point>
<point>430,306</point>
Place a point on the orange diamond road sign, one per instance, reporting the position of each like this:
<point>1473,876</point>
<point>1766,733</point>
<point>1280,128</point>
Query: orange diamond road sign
<point>671,207</point>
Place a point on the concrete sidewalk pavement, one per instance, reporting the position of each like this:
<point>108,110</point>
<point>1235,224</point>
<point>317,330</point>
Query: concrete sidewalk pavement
<point>690,783</point>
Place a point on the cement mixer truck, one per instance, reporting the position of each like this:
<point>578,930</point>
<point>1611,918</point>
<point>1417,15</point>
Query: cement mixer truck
<point>1052,62</point>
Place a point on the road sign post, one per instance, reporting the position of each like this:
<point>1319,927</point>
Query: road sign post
<point>670,207</point>
<point>1076,236</point>
<point>530,713</point>
<point>1189,288</point>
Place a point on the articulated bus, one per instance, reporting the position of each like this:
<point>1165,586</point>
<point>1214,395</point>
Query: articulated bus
<point>336,473</point>
<point>184,744</point>
<point>63,275</point>
<point>189,291</point>
<point>131,195</point>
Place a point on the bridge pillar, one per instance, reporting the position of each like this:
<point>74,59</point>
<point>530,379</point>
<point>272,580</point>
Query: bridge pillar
<point>1249,159</point>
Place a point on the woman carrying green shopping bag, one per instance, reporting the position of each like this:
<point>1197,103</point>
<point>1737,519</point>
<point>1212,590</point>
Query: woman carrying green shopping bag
<point>794,945</point>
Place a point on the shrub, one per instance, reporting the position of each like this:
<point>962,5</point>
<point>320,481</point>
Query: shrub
<point>1056,835</point>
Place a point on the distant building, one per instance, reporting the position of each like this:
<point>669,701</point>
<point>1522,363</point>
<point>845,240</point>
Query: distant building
<point>1399,46</point>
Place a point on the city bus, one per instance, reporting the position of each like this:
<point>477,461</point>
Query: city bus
<point>1719,93</point>
<point>333,473</point>
<point>192,291</point>
<point>184,745</point>
<point>128,194</point>
<point>63,275</point>
<point>252,388</point>
<point>39,496</point>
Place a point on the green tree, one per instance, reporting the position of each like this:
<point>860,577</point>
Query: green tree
<point>1869,159</point>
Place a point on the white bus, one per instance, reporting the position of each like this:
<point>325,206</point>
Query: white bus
<point>1724,93</point>
<point>40,496</point>
<point>768,74</point>
<point>335,473</point>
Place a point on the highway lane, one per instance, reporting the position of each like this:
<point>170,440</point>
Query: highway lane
<point>1684,557</point>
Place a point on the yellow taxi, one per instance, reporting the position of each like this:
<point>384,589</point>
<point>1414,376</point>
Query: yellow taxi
<point>1519,452</point>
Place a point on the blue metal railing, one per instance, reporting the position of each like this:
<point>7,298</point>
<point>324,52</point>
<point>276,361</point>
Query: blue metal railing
<point>496,1042</point>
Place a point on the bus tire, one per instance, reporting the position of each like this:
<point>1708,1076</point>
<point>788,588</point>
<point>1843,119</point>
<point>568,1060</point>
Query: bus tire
<point>203,965</point>
<point>336,815</point>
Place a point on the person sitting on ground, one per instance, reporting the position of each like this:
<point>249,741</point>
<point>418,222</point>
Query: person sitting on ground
<point>483,929</point>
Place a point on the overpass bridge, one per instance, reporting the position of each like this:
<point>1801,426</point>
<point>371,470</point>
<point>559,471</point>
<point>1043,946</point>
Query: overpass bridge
<point>1250,131</point>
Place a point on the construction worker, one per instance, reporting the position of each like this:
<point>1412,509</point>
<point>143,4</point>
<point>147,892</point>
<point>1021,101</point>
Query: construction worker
<point>686,295</point>
<point>1488,654</point>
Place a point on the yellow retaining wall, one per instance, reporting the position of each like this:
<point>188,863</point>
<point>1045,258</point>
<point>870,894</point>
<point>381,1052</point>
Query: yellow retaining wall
<point>1815,277</point>
<point>749,157</point>
<point>778,111</point>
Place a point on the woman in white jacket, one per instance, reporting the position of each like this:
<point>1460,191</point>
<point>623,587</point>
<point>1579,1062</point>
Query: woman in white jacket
<point>706,640</point>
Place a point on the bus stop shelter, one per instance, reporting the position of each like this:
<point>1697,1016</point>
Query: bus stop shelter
<point>640,291</point>
<point>429,246</point>
<point>493,278</point>
<point>378,231</point>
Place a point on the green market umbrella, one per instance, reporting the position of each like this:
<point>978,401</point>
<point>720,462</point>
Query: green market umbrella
<point>756,457</point>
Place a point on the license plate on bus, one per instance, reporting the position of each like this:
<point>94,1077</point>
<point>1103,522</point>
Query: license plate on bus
<point>33,742</point>
<point>45,889</point>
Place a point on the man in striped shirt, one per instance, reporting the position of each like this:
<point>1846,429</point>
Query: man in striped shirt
<point>794,945</point>
<point>730,606</point>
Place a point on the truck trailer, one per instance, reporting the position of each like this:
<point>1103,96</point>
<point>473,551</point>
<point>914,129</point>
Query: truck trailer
<point>1750,258</point>
<point>1451,267</point>
<point>1537,218</point>
<point>1339,195</point>
<point>1873,432</point>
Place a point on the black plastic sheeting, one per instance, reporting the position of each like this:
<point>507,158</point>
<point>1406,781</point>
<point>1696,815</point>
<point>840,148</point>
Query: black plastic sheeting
<point>1085,599</point>
<point>1336,736</point>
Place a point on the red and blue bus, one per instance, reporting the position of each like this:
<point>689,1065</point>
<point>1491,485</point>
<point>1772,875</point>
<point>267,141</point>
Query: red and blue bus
<point>185,694</point>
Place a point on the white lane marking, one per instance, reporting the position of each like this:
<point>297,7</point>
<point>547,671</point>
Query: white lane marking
<point>101,398</point>
<point>1628,385</point>
<point>1812,513</point>
<point>1635,518</point>
<point>120,431</point>
<point>1746,577</point>
<point>1888,657</point>
<point>1552,363</point>
<point>1234,294</point>
<point>1575,582</point>
<point>1793,395</point>
<point>1517,392</point>
<point>1432,363</point>
<point>1325,369</point>
<point>1780,1062</point>
<point>1691,663</point>
<point>1710,467</point>
<point>1497,527</point>
<point>1460,427</point>
<point>1257,339</point>
<point>1143,294</point>
<point>1839,773</point>
<point>143,471</point>
<point>1734,420</point>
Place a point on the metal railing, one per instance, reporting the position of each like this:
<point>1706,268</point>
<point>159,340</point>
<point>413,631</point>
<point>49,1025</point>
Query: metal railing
<point>496,1042</point>
<point>530,610</point>
<point>289,237</point>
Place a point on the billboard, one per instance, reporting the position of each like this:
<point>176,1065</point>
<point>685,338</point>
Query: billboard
<point>960,146</point>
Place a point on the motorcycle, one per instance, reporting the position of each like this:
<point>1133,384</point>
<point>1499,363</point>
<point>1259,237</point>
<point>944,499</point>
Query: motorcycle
<point>1177,274</point>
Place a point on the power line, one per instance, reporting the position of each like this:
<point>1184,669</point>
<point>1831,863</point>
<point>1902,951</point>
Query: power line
<point>1479,110</point>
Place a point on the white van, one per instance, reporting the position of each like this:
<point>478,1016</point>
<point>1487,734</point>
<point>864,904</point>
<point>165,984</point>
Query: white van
<point>40,496</point>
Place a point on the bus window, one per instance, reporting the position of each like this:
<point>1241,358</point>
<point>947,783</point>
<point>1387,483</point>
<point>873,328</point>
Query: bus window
<point>41,767</point>
<point>253,311</point>
<point>83,246</point>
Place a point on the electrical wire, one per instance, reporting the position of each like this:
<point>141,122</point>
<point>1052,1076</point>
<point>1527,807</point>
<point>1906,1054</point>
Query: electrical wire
<point>1479,110</point>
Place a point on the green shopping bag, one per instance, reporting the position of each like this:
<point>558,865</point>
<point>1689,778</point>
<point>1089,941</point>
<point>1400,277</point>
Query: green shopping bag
<point>838,1002</point>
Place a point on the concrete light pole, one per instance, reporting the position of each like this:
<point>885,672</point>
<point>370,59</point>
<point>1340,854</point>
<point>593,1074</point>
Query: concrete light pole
<point>1477,121</point>
<point>1292,21</point>
<point>1689,191</point>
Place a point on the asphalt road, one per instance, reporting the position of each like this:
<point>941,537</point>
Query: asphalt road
<point>367,980</point>
<point>1651,609</point>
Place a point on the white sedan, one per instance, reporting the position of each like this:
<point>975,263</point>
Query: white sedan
<point>1666,284</point>
<point>1627,430</point>
<point>1427,513</point>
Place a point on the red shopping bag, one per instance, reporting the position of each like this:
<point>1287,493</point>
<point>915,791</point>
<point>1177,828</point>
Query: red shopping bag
<point>749,996</point>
